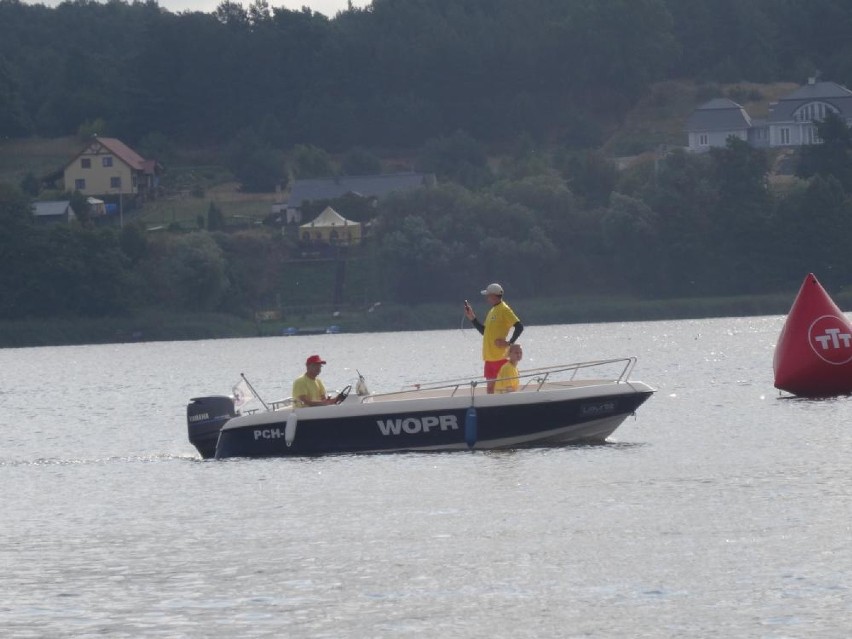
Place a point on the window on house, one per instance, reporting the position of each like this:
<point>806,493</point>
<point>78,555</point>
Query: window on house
<point>703,139</point>
<point>79,185</point>
<point>813,112</point>
<point>107,161</point>
<point>115,183</point>
<point>86,163</point>
<point>784,134</point>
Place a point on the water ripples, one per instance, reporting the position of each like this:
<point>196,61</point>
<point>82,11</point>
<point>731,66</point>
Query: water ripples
<point>716,512</point>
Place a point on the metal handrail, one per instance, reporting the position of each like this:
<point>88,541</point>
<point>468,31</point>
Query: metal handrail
<point>537,375</point>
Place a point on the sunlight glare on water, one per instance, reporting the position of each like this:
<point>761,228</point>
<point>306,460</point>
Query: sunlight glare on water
<point>720,510</point>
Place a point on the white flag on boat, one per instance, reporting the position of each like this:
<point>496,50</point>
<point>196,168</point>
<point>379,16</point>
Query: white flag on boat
<point>242,394</point>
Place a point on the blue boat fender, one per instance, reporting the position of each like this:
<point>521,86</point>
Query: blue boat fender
<point>470,434</point>
<point>290,429</point>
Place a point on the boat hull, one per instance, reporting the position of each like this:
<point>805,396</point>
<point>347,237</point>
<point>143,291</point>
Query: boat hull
<point>583,414</point>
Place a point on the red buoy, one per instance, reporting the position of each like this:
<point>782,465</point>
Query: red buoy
<point>813,357</point>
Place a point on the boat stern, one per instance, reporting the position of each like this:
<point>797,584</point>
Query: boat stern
<point>205,417</point>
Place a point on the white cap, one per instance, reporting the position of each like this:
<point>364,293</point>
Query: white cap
<point>493,289</point>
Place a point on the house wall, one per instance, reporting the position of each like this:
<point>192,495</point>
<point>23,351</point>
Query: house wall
<point>797,134</point>
<point>349,234</point>
<point>65,218</point>
<point>294,216</point>
<point>98,178</point>
<point>758,137</point>
<point>714,139</point>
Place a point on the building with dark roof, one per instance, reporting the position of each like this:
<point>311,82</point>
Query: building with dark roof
<point>715,121</point>
<point>791,122</point>
<point>368,186</point>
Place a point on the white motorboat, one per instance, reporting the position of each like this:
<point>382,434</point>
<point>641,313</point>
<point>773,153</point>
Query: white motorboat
<point>552,406</point>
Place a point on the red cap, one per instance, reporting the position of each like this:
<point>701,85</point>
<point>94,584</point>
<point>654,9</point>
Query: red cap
<point>314,359</point>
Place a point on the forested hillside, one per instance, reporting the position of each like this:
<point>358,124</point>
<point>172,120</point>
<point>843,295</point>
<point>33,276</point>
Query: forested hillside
<point>395,74</point>
<point>515,106</point>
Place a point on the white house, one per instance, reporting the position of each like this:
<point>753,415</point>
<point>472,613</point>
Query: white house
<point>791,120</point>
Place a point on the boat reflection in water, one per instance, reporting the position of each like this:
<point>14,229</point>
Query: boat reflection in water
<point>572,403</point>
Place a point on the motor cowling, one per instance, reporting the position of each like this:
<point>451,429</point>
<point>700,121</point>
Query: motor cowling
<point>205,417</point>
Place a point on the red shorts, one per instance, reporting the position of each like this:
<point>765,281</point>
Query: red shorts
<point>492,368</point>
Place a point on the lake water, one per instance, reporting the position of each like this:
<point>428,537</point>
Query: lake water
<point>719,511</point>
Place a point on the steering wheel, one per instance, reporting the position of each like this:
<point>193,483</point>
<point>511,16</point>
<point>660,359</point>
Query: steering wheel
<point>342,395</point>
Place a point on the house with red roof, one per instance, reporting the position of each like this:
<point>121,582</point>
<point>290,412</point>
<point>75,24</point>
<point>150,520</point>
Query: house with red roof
<point>107,166</point>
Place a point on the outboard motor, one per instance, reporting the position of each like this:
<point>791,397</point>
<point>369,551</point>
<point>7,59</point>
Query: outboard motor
<point>205,417</point>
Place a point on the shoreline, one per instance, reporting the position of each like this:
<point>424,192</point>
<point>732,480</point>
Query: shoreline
<point>155,326</point>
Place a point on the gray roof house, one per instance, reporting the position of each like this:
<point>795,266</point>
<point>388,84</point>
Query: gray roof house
<point>53,211</point>
<point>714,122</point>
<point>376,186</point>
<point>790,122</point>
<point>791,119</point>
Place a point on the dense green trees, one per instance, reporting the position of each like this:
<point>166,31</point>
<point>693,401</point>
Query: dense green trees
<point>71,270</point>
<point>395,74</point>
<point>255,163</point>
<point>54,271</point>
<point>832,158</point>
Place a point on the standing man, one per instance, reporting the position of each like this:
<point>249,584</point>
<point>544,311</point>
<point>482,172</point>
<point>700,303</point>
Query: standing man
<point>499,320</point>
<point>308,390</point>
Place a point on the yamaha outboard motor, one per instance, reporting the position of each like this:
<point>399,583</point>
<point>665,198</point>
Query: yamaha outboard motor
<point>204,418</point>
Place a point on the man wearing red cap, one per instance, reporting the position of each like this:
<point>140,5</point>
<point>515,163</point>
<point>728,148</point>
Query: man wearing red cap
<point>494,331</point>
<point>308,390</point>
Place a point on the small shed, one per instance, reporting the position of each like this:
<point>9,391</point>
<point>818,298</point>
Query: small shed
<point>97,208</point>
<point>330,227</point>
<point>54,211</point>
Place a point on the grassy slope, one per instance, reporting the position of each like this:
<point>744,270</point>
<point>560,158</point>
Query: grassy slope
<point>185,208</point>
<point>35,155</point>
<point>660,116</point>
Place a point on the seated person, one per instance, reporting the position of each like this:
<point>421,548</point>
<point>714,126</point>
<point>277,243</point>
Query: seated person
<point>507,379</point>
<point>308,390</point>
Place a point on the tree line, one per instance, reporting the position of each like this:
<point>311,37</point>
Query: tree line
<point>394,74</point>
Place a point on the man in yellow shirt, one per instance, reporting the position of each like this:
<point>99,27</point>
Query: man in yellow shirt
<point>308,390</point>
<point>494,331</point>
<point>507,378</point>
